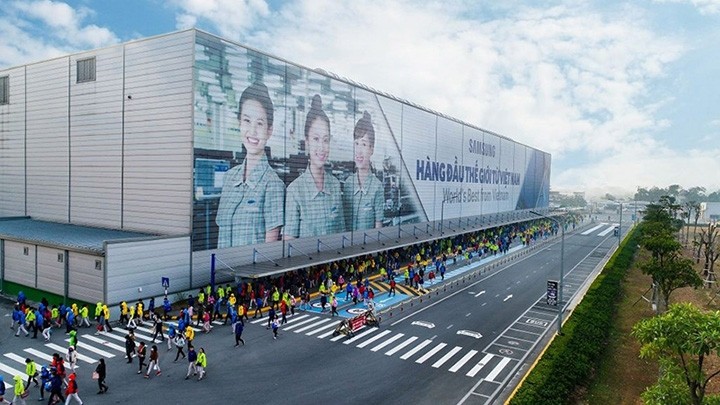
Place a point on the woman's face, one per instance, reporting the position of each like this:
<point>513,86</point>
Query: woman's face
<point>254,128</point>
<point>363,152</point>
<point>318,143</point>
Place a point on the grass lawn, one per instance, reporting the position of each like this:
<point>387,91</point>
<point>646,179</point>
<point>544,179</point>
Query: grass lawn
<point>623,376</point>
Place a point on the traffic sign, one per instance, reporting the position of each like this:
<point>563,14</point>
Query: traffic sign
<point>552,292</point>
<point>166,282</point>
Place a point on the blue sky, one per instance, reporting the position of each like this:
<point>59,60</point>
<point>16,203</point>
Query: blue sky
<point>622,94</point>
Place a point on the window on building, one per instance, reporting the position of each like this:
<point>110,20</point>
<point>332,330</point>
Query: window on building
<point>98,264</point>
<point>86,70</point>
<point>26,251</point>
<point>4,90</point>
<point>61,257</point>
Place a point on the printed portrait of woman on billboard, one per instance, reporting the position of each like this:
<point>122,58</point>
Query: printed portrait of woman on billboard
<point>314,200</point>
<point>364,199</point>
<point>251,204</point>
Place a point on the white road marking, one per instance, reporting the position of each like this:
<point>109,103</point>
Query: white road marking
<point>508,297</point>
<point>480,293</point>
<point>62,350</point>
<point>431,353</point>
<point>446,357</point>
<point>494,373</point>
<point>387,342</point>
<point>332,325</point>
<point>308,327</point>
<point>416,349</point>
<point>469,355</point>
<point>401,346</point>
<point>374,338</point>
<point>360,336</point>
<point>480,365</point>
<point>104,343</point>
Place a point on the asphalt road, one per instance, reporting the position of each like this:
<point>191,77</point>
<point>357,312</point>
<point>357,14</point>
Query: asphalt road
<point>464,344</point>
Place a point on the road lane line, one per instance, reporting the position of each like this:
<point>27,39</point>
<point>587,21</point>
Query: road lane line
<point>360,336</point>
<point>332,325</point>
<point>308,327</point>
<point>86,346</point>
<point>104,343</point>
<point>431,353</point>
<point>591,230</point>
<point>462,361</point>
<point>401,346</point>
<point>39,354</point>
<point>61,350</point>
<point>480,365</point>
<point>303,322</point>
<point>374,338</point>
<point>494,373</point>
<point>446,357</point>
<point>416,349</point>
<point>12,371</point>
<point>13,356</point>
<point>387,342</point>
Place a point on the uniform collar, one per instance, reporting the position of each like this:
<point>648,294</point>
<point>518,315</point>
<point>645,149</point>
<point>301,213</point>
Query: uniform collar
<point>255,176</point>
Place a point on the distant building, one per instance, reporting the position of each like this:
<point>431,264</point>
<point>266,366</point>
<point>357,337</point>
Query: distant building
<point>709,211</point>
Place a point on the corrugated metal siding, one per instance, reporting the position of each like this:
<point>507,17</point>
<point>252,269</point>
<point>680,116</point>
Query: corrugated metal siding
<point>12,146</point>
<point>85,283</point>
<point>158,134</point>
<point>50,272</point>
<point>47,140</point>
<point>19,268</point>
<point>96,141</point>
<point>143,264</point>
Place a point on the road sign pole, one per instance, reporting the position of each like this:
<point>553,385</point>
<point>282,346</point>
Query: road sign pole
<point>212,273</point>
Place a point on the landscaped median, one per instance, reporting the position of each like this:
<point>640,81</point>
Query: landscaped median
<point>568,362</point>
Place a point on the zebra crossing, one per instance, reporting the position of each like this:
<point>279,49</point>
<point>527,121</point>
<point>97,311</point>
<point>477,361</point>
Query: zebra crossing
<point>438,355</point>
<point>90,348</point>
<point>598,230</point>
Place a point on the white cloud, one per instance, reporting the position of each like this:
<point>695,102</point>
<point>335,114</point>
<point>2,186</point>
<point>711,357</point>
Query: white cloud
<point>643,166</point>
<point>567,79</point>
<point>231,17</point>
<point>705,7</point>
<point>36,30</point>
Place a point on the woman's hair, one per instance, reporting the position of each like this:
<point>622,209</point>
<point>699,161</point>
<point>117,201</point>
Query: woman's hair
<point>258,92</point>
<point>315,112</point>
<point>364,127</point>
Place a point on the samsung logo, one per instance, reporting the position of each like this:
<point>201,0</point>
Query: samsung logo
<point>481,148</point>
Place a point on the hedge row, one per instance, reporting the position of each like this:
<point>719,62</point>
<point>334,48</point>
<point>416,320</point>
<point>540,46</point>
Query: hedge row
<point>570,359</point>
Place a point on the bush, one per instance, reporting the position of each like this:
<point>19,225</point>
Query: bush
<point>570,359</point>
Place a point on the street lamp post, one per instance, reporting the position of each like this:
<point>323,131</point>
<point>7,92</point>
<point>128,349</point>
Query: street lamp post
<point>562,266</point>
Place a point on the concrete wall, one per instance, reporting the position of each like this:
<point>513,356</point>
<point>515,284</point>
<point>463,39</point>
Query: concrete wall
<point>143,264</point>
<point>115,152</point>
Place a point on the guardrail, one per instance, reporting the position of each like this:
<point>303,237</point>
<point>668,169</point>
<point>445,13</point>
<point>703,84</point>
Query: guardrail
<point>451,285</point>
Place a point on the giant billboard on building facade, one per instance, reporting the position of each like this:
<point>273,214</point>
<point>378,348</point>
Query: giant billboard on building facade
<point>282,152</point>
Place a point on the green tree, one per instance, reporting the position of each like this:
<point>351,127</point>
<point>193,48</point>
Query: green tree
<point>675,272</point>
<point>682,339</point>
<point>668,269</point>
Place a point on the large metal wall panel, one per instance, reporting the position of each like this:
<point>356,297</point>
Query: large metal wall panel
<point>85,282</point>
<point>50,271</point>
<point>47,140</point>
<point>158,134</point>
<point>142,264</point>
<point>12,146</point>
<point>19,267</point>
<point>96,141</point>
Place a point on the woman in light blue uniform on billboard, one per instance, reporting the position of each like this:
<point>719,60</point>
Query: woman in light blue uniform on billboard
<point>251,203</point>
<point>364,199</point>
<point>314,200</point>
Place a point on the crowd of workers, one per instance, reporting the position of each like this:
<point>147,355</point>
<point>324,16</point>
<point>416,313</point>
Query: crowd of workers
<point>278,296</point>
